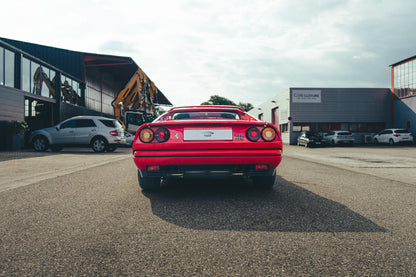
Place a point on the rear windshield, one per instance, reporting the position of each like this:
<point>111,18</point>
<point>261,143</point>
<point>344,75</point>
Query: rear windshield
<point>111,123</point>
<point>205,115</point>
<point>401,131</point>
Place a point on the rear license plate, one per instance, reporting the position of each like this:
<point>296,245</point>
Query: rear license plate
<point>211,134</point>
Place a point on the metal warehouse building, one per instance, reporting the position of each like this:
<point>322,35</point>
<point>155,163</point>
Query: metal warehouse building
<point>44,85</point>
<point>363,111</point>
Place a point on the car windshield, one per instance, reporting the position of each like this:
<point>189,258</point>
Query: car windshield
<point>111,123</point>
<point>401,131</point>
<point>205,115</point>
<point>317,135</point>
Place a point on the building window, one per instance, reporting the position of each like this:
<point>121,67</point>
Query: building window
<point>261,117</point>
<point>284,128</point>
<point>70,90</point>
<point>8,68</point>
<point>25,75</point>
<point>404,81</point>
<point>1,66</point>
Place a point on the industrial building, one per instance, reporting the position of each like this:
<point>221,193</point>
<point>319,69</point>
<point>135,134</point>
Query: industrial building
<point>363,111</point>
<point>43,85</point>
<point>403,86</point>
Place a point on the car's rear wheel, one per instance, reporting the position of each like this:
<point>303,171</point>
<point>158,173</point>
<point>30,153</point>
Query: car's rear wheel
<point>264,182</point>
<point>375,141</point>
<point>99,144</point>
<point>40,143</point>
<point>149,183</point>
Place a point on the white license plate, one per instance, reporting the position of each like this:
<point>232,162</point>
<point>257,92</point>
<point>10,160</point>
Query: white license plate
<point>210,134</point>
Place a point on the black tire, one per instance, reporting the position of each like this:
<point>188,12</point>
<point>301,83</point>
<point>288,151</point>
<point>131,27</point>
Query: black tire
<point>56,148</point>
<point>99,145</point>
<point>391,142</point>
<point>264,182</point>
<point>375,141</point>
<point>149,183</point>
<point>40,143</point>
<point>111,148</point>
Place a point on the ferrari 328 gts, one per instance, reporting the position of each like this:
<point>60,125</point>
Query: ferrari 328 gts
<point>207,141</point>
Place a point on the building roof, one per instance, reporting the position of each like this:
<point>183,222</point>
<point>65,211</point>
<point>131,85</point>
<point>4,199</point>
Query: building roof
<point>403,61</point>
<point>77,63</point>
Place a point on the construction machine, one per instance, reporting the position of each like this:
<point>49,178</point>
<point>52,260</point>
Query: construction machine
<point>135,103</point>
<point>68,94</point>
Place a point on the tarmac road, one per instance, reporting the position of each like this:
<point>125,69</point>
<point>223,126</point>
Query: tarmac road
<point>322,218</point>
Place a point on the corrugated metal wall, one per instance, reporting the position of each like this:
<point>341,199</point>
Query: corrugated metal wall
<point>12,104</point>
<point>344,105</point>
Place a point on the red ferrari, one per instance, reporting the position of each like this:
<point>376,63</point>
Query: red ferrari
<point>207,141</point>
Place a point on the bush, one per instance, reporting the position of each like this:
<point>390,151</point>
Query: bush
<point>17,127</point>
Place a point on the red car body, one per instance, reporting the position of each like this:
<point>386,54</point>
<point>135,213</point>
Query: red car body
<point>206,141</point>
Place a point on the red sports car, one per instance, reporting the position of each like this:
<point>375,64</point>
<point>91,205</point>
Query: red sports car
<point>205,141</point>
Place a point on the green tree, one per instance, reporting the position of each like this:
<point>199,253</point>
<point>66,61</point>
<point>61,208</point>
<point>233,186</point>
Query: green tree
<point>218,100</point>
<point>246,106</point>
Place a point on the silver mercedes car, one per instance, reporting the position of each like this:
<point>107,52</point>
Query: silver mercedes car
<point>99,133</point>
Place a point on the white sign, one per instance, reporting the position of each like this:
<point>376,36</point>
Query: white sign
<point>306,96</point>
<point>204,134</point>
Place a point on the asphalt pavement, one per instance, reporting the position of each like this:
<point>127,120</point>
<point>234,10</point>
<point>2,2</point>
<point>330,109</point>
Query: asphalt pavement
<point>331,213</point>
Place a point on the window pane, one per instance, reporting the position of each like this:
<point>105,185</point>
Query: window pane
<point>344,126</point>
<point>25,75</point>
<point>353,127</point>
<point>297,128</point>
<point>44,87</point>
<point>306,128</point>
<point>324,127</point>
<point>9,68</point>
<point>35,84</point>
<point>1,66</point>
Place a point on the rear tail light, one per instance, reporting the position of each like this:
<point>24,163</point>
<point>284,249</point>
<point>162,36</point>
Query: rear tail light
<point>153,168</point>
<point>397,135</point>
<point>146,135</point>
<point>268,134</point>
<point>261,167</point>
<point>114,133</point>
<point>253,134</point>
<point>162,134</point>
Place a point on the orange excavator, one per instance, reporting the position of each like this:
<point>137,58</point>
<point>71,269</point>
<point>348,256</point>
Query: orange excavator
<point>69,95</point>
<point>135,103</point>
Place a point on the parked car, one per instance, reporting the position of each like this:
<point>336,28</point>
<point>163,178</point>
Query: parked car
<point>392,136</point>
<point>339,137</point>
<point>309,139</point>
<point>207,141</point>
<point>129,138</point>
<point>99,133</point>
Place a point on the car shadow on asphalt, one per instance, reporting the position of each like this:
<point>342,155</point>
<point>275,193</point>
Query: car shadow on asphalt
<point>236,205</point>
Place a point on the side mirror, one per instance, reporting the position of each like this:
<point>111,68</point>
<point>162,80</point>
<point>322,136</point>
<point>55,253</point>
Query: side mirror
<point>57,128</point>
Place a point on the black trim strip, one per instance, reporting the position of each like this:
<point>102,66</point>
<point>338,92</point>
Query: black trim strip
<point>208,156</point>
<point>209,149</point>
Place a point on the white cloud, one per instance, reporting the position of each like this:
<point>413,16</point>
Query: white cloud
<point>244,50</point>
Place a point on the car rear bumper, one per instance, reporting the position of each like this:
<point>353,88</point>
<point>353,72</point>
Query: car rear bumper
<point>207,171</point>
<point>145,158</point>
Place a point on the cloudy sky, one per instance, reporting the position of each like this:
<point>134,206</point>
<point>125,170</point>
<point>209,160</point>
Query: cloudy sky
<point>247,51</point>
